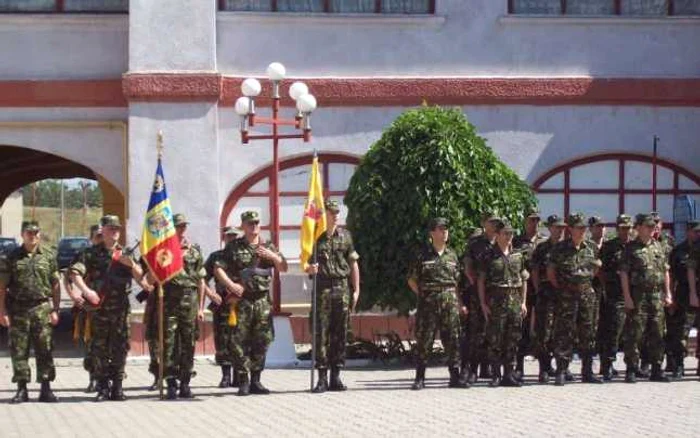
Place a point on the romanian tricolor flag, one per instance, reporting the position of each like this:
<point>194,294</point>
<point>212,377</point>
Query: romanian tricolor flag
<point>160,247</point>
<point>314,222</point>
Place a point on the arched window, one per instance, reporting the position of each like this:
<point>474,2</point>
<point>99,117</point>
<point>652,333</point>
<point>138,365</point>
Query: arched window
<point>611,184</point>
<point>254,194</point>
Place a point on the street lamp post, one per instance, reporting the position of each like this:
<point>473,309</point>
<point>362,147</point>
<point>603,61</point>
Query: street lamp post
<point>246,109</point>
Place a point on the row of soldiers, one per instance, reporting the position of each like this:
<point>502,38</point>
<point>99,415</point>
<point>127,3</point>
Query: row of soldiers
<point>99,283</point>
<point>548,295</point>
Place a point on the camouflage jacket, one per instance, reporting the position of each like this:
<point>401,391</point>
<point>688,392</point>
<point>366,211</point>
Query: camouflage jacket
<point>209,266</point>
<point>540,259</point>
<point>105,275</point>
<point>243,266</point>
<point>610,255</point>
<point>679,262</point>
<point>432,270</point>
<point>527,246</point>
<point>335,254</point>
<point>501,270</point>
<point>574,266</point>
<point>29,277</point>
<point>645,263</point>
<point>193,268</point>
<point>477,248</point>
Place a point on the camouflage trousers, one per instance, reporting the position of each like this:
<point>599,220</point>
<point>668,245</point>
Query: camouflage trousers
<point>612,322</point>
<point>504,327</point>
<point>527,339</point>
<point>575,323</point>
<point>223,335</point>
<point>438,311</point>
<point>645,324</point>
<point>545,306</point>
<point>82,334</point>
<point>252,335</point>
<point>332,313</point>
<point>475,336</point>
<point>31,328</point>
<point>679,321</point>
<point>181,306</point>
<point>150,322</point>
<point>110,342</point>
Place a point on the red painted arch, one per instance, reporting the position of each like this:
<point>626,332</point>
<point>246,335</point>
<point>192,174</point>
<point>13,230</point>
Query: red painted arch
<point>243,188</point>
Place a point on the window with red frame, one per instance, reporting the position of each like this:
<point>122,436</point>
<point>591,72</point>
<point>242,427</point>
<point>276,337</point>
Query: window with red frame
<point>640,8</point>
<point>69,6</point>
<point>332,6</point>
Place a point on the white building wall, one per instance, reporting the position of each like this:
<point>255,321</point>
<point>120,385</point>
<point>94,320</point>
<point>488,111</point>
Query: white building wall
<point>11,213</point>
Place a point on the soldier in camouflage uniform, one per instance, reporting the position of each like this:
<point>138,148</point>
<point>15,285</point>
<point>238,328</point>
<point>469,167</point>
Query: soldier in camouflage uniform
<point>546,297</point>
<point>680,316</point>
<point>526,243</point>
<point>223,332</point>
<point>183,307</point>
<point>433,276</point>
<point>335,261</point>
<point>246,270</point>
<point>103,274</point>
<point>477,248</point>
<point>573,263</point>
<point>645,284</point>
<point>693,276</point>
<point>612,313</point>
<point>29,300</point>
<point>503,293</point>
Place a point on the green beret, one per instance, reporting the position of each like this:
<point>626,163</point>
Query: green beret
<point>624,221</point>
<point>250,216</point>
<point>110,220</point>
<point>555,221</point>
<point>644,219</point>
<point>595,220</point>
<point>576,220</point>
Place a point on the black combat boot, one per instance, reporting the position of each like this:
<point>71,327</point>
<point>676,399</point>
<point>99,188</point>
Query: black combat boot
<point>631,374</point>
<point>117,391</point>
<point>657,374</point>
<point>419,382</point>
<point>185,391</point>
<point>510,378</point>
<point>495,375</point>
<point>102,390</point>
<point>606,369</point>
<point>520,369</point>
<point>336,383</point>
<point>545,366</point>
<point>22,395</point>
<point>472,377</point>
<point>171,393</point>
<point>234,377</point>
<point>587,375</point>
<point>154,385</point>
<point>456,380</point>
<point>255,386</point>
<point>643,371</point>
<point>322,384</point>
<point>243,384</point>
<point>91,386</point>
<point>225,376</point>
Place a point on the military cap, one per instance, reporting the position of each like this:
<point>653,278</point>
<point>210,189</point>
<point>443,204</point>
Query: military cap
<point>180,219</point>
<point>110,220</point>
<point>250,216</point>
<point>532,211</point>
<point>624,221</point>
<point>437,222</point>
<point>31,226</point>
<point>595,220</point>
<point>332,205</point>
<point>230,231</point>
<point>503,225</point>
<point>489,216</point>
<point>655,216</point>
<point>576,220</point>
<point>644,219</point>
<point>555,221</point>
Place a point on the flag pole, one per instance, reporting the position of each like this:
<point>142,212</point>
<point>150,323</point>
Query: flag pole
<point>161,341</point>
<point>314,308</point>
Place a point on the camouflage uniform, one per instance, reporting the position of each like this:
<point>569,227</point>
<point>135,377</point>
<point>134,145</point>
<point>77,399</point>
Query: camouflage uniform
<point>29,279</point>
<point>223,333</point>
<point>150,322</point>
<point>693,263</point>
<point>254,331</point>
<point>612,314</point>
<point>100,267</point>
<point>646,266</point>
<point>504,276</point>
<point>680,319</point>
<point>576,307</point>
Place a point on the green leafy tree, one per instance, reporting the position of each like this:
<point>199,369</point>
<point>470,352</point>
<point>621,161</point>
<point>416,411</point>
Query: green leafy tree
<point>429,162</point>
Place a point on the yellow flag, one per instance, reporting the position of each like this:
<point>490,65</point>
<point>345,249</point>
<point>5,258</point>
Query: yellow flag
<point>314,222</point>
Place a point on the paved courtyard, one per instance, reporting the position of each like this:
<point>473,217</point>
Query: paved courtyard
<point>378,403</point>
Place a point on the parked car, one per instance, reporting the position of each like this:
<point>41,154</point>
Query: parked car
<point>68,248</point>
<point>7,244</point>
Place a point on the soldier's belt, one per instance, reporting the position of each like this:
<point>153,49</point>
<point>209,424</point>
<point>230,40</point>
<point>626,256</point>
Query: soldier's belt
<point>436,289</point>
<point>504,285</point>
<point>247,273</point>
<point>330,282</point>
<point>579,287</point>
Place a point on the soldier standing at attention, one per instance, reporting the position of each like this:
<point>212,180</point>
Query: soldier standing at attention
<point>433,277</point>
<point>477,248</point>
<point>29,299</point>
<point>526,243</point>
<point>336,261</point>
<point>246,270</point>
<point>645,281</point>
<point>109,272</point>
<point>693,275</point>
<point>223,333</point>
<point>503,293</point>
<point>183,307</point>
<point>680,316</point>
<point>597,229</point>
<point>546,297</point>
<point>573,263</point>
<point>612,313</point>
